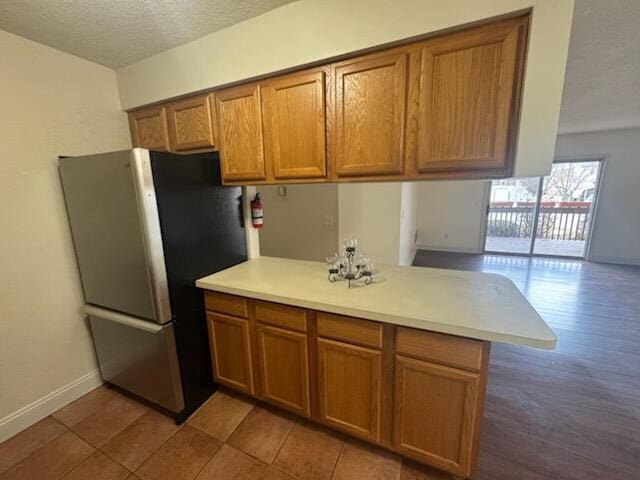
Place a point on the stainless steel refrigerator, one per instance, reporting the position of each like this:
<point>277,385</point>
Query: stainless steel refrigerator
<point>145,226</point>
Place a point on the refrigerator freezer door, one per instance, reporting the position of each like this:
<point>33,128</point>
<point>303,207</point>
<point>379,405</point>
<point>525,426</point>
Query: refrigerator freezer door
<point>114,222</point>
<point>138,356</point>
<point>202,232</point>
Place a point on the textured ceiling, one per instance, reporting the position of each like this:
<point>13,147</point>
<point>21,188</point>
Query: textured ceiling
<point>602,85</point>
<point>116,33</point>
<point>602,88</point>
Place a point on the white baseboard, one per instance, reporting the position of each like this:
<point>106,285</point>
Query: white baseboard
<point>413,254</point>
<point>449,249</point>
<point>36,411</point>
<point>615,260</point>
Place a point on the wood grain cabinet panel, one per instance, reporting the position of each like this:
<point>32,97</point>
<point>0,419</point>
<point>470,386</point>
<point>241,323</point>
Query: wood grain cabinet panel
<point>349,385</point>
<point>370,97</point>
<point>191,124</point>
<point>149,128</point>
<point>294,125</point>
<point>226,303</point>
<point>435,413</point>
<point>284,316</point>
<point>417,393</point>
<point>467,102</point>
<point>351,330</point>
<point>457,352</point>
<point>284,364</point>
<point>239,115</point>
<point>231,351</point>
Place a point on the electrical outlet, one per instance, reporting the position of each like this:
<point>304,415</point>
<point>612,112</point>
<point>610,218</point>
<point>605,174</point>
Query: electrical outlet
<point>328,220</point>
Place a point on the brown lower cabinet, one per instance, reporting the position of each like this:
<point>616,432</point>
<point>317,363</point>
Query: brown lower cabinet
<point>230,352</point>
<point>443,434</point>
<point>284,367</point>
<point>414,392</point>
<point>349,380</point>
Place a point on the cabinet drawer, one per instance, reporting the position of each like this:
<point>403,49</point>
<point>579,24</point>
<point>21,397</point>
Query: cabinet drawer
<point>439,348</point>
<point>225,303</point>
<point>284,316</point>
<point>351,330</point>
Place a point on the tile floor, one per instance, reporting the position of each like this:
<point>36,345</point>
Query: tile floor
<point>106,436</point>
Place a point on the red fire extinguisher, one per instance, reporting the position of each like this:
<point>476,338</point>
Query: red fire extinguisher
<point>256,212</point>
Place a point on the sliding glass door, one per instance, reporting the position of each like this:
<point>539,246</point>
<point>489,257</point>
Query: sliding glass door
<point>511,214</point>
<point>544,215</point>
<point>566,209</point>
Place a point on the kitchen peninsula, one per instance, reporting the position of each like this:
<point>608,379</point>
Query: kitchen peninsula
<point>401,363</point>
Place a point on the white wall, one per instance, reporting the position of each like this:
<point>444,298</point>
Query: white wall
<point>451,215</point>
<point>371,213</point>
<point>616,231</point>
<point>408,222</point>
<point>301,225</point>
<point>252,234</point>
<point>313,30</point>
<point>52,104</point>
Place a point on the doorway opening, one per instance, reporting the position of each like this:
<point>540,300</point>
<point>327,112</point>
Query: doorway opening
<point>548,216</point>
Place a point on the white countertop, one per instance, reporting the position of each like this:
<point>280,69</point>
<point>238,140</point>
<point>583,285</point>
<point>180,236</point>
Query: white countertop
<point>484,306</point>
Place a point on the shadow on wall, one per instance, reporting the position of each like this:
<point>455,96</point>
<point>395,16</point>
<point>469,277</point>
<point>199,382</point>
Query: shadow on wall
<point>308,222</point>
<point>300,221</point>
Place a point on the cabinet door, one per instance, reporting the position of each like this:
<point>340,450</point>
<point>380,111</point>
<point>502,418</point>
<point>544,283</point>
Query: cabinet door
<point>435,410</point>
<point>349,386</point>
<point>149,128</point>
<point>370,114</point>
<point>240,133</point>
<point>230,351</point>
<point>284,365</point>
<point>190,124</point>
<point>294,125</point>
<point>469,87</point>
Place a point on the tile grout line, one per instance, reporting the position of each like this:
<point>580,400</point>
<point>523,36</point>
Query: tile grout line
<point>295,422</point>
<point>333,471</point>
<point>151,455</point>
<point>260,405</point>
<point>215,454</point>
<point>154,452</point>
<point>67,430</point>
<point>129,472</point>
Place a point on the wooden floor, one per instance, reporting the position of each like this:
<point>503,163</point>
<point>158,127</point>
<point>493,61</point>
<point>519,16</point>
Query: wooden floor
<point>573,413</point>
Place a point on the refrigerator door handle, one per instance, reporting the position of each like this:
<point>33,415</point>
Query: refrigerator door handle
<point>123,319</point>
<point>152,236</point>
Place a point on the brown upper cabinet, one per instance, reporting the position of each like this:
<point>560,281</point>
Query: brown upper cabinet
<point>370,96</point>
<point>444,107</point>
<point>191,124</point>
<point>149,128</point>
<point>468,84</point>
<point>293,108</point>
<point>185,125</point>
<point>239,115</point>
